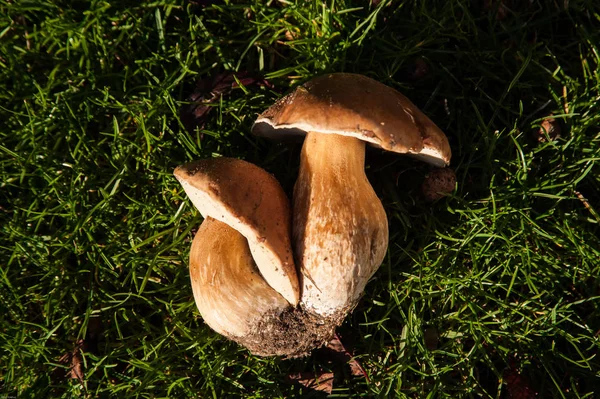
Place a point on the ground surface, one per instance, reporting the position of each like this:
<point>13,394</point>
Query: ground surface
<point>489,292</point>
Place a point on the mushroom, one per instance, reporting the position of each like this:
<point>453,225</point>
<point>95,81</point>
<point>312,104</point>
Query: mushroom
<point>251,201</point>
<point>340,230</point>
<point>241,266</point>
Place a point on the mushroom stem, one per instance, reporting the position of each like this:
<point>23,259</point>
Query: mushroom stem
<point>340,229</point>
<point>344,155</point>
<point>230,292</point>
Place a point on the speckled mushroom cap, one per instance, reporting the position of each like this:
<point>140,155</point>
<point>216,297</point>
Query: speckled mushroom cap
<point>357,106</point>
<point>250,200</point>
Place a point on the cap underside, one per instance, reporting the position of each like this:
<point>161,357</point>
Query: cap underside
<point>264,128</point>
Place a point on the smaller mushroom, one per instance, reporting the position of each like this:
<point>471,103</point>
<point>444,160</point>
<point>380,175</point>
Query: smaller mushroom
<point>251,201</point>
<point>230,293</point>
<point>241,266</point>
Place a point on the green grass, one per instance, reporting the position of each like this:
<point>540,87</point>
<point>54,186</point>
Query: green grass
<point>502,274</point>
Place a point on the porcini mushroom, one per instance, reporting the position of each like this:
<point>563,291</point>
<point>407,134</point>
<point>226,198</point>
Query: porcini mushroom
<point>247,295</point>
<point>340,229</point>
<point>251,201</point>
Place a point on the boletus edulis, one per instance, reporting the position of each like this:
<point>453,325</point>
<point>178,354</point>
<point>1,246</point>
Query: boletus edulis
<point>340,230</point>
<point>247,283</point>
<point>242,270</point>
<point>251,201</point>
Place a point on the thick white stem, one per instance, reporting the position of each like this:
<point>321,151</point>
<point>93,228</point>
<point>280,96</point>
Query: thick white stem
<point>340,230</point>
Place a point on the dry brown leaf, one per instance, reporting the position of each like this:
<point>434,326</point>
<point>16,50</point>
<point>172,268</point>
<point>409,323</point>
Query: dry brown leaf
<point>209,90</point>
<point>291,36</point>
<point>77,367</point>
<point>338,352</point>
<point>75,361</point>
<point>321,381</point>
<point>550,128</point>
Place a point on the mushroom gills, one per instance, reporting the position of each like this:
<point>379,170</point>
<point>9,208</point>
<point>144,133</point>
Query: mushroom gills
<point>340,229</point>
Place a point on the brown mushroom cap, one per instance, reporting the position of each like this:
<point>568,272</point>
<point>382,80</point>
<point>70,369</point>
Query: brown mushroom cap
<point>357,106</point>
<point>251,201</point>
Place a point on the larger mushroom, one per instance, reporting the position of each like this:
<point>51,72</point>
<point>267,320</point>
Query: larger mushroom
<point>340,230</point>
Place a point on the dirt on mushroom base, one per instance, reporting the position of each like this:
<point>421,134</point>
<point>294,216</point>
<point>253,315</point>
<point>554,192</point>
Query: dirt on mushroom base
<point>295,332</point>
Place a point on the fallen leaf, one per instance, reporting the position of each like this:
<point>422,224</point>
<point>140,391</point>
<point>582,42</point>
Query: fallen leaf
<point>208,90</point>
<point>321,381</point>
<point>356,369</point>
<point>336,351</point>
<point>550,128</point>
<point>75,361</point>
<point>291,35</point>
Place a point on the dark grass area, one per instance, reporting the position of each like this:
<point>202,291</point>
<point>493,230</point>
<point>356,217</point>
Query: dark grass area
<point>498,279</point>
